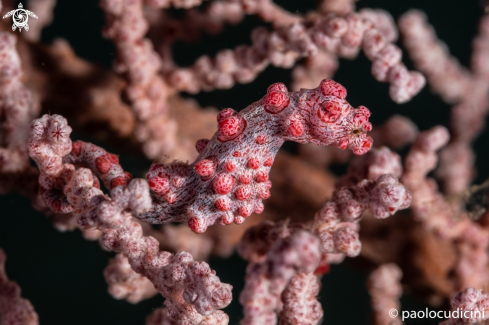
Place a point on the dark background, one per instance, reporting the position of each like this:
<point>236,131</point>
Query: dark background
<point>62,273</point>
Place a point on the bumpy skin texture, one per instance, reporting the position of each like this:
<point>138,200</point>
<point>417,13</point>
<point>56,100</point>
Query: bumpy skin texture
<point>466,88</point>
<point>336,223</point>
<point>431,56</point>
<point>384,286</point>
<point>371,166</point>
<point>276,252</point>
<point>229,179</point>
<point>49,142</point>
<point>17,109</point>
<point>104,164</point>
<point>197,284</point>
<point>126,284</point>
<point>372,31</point>
<point>300,304</point>
<point>136,58</point>
<point>471,300</point>
<point>441,216</point>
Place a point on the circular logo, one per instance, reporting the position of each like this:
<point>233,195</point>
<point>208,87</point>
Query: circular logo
<point>20,18</point>
<point>393,313</point>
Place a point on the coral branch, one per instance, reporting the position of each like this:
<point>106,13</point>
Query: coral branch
<point>126,26</point>
<point>17,109</point>
<point>337,222</point>
<point>384,286</point>
<point>339,36</point>
<point>279,252</point>
<point>443,217</point>
<point>444,73</point>
<point>126,284</point>
<point>300,304</point>
<point>371,166</point>
<point>474,302</point>
<point>455,84</point>
<point>276,252</point>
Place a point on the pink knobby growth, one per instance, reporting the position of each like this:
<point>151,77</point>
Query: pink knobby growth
<point>422,159</point>
<point>18,107</point>
<point>139,62</point>
<point>337,222</point>
<point>371,166</point>
<point>385,289</point>
<point>283,252</point>
<point>466,88</point>
<point>441,216</point>
<point>372,31</point>
<point>431,56</point>
<point>473,307</point>
<point>229,179</point>
<point>276,253</point>
<point>103,164</point>
<point>126,284</point>
<point>196,283</point>
<point>300,303</point>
